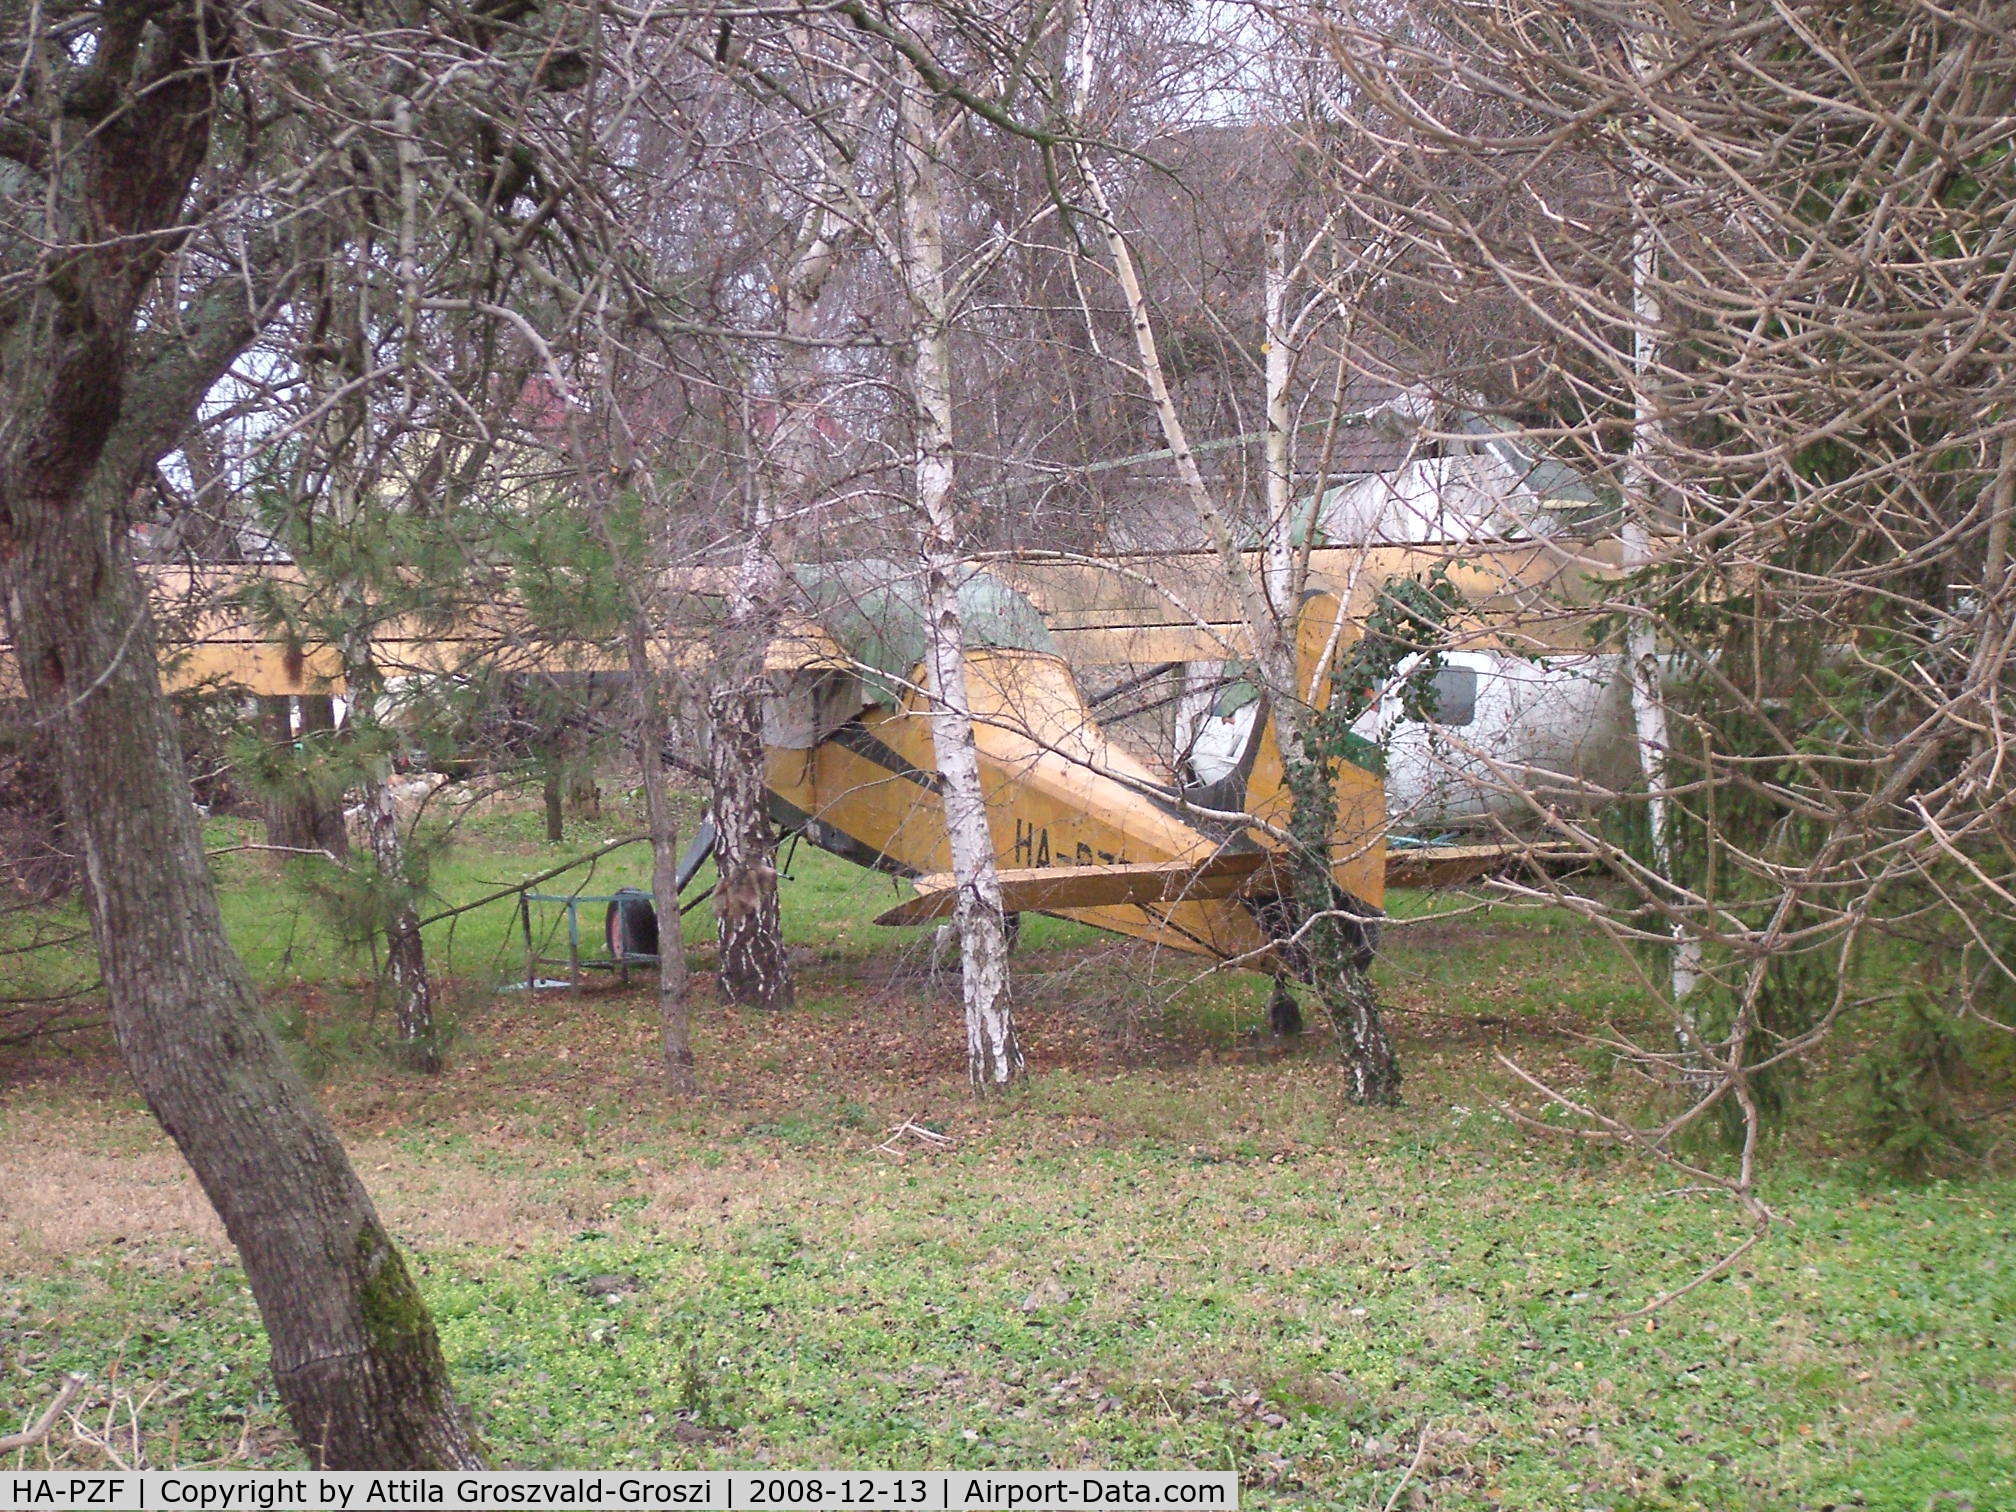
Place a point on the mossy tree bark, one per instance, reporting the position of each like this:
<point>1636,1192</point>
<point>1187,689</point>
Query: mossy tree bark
<point>88,411</point>
<point>1333,952</point>
<point>1333,947</point>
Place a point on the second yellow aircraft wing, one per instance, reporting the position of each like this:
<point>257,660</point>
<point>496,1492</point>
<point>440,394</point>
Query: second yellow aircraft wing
<point>1041,889</point>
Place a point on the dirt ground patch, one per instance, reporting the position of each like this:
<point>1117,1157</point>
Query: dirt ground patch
<point>575,1070</point>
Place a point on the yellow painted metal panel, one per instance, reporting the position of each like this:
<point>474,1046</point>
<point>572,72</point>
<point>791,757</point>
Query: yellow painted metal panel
<point>1050,889</point>
<point>1074,815</point>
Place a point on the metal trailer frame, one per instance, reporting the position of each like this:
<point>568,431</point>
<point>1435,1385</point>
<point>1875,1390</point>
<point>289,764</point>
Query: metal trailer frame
<point>700,848</point>
<point>574,961</point>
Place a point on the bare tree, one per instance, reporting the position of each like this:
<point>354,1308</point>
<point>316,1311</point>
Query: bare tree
<point>994,1058</point>
<point>653,735</point>
<point>1327,936</point>
<point>781,479</point>
<point>110,132</point>
<point>1756,257</point>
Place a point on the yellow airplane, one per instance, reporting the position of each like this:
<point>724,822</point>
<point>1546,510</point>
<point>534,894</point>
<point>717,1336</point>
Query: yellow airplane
<point>1083,826</point>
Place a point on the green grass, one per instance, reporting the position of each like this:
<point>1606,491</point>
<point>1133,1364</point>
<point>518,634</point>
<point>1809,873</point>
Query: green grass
<point>277,927</point>
<point>1176,1247</point>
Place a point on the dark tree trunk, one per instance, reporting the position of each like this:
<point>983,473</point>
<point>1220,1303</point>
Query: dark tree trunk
<point>404,979</point>
<point>752,969</point>
<point>318,720</point>
<point>556,818</point>
<point>298,815</point>
<point>84,417</point>
<point>355,1355</point>
<point>282,815</point>
<point>1284,1014</point>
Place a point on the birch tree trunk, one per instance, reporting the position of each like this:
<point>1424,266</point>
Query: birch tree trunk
<point>404,979</point>
<point>1643,675</point>
<point>1284,1015</point>
<point>1333,949</point>
<point>993,1056</point>
<point>751,966</point>
<point>674,981</point>
<point>1331,952</point>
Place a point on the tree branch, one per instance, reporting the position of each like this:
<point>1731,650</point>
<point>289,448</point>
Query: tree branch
<point>38,1430</point>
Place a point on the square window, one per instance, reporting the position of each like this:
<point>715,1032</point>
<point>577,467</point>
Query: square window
<point>1452,696</point>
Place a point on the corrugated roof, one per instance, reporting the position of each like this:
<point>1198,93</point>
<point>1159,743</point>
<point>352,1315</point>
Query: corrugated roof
<point>1538,474</point>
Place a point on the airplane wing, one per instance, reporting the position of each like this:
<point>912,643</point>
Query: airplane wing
<point>1448,865</point>
<point>1041,889</point>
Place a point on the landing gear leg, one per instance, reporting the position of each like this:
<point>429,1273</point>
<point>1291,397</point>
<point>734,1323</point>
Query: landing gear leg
<point>1284,1014</point>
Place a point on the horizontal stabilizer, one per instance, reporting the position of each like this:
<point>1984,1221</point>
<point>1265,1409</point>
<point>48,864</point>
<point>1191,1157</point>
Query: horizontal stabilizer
<point>1048,889</point>
<point>1448,865</point>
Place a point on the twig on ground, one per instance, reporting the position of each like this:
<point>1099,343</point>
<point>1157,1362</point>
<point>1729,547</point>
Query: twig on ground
<point>1720,1267</point>
<point>1407,1475</point>
<point>38,1430</point>
<point>910,1128</point>
<point>285,850</point>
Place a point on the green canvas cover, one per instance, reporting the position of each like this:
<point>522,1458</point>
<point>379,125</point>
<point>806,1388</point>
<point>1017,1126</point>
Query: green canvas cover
<point>877,610</point>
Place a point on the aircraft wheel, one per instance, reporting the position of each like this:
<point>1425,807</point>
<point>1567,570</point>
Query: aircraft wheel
<point>631,926</point>
<point>1284,1014</point>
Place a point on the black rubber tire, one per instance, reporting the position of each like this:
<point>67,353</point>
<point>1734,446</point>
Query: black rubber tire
<point>631,927</point>
<point>1284,1014</point>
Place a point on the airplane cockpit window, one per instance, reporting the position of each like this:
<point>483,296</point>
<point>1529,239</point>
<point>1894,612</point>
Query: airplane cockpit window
<point>1219,743</point>
<point>806,706</point>
<point>1217,714</point>
<point>1454,691</point>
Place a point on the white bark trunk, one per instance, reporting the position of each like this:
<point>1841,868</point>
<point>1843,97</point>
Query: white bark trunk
<point>751,966</point>
<point>993,1056</point>
<point>406,978</point>
<point>1278,549</point>
<point>674,1014</point>
<point>1269,606</point>
<point>1641,651</point>
<point>1273,638</point>
<point>406,981</point>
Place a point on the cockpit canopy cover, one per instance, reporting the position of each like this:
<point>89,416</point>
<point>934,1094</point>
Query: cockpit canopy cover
<point>878,611</point>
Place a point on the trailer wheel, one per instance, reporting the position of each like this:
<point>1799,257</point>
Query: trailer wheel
<point>631,927</point>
